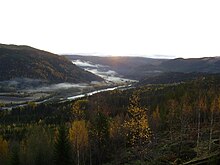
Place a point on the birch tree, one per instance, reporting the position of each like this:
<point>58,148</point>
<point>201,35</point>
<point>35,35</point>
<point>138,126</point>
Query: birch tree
<point>137,128</point>
<point>78,134</point>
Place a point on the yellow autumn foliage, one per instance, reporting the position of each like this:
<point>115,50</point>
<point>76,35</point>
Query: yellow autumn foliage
<point>78,109</point>
<point>78,134</point>
<point>3,148</point>
<point>137,126</point>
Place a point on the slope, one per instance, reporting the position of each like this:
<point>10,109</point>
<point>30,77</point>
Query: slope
<point>28,62</point>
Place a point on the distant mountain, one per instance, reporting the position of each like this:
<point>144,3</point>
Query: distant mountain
<point>206,64</point>
<point>140,67</point>
<point>123,65</point>
<point>172,77</point>
<point>28,62</point>
<point>197,65</point>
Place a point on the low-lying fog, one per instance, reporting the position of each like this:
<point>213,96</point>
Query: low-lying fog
<point>22,90</point>
<point>103,71</point>
<point>54,87</point>
<point>27,84</point>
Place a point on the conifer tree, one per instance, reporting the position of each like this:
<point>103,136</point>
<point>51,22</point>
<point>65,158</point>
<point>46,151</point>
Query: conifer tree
<point>99,133</point>
<point>62,153</point>
<point>15,158</point>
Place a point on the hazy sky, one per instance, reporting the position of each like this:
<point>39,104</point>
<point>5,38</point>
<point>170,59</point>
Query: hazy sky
<point>175,28</point>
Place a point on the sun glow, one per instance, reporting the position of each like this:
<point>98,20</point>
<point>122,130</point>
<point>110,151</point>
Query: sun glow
<point>138,28</point>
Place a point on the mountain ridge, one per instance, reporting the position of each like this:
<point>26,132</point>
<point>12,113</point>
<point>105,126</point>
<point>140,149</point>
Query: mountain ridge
<point>28,62</point>
<point>141,67</point>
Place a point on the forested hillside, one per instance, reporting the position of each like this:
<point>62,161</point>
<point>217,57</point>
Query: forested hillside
<point>28,62</point>
<point>153,124</point>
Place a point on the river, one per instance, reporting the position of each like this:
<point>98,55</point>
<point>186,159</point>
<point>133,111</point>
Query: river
<point>97,91</point>
<point>123,87</point>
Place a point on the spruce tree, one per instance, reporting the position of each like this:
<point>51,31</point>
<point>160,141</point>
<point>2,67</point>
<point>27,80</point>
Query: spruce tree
<point>62,148</point>
<point>15,159</point>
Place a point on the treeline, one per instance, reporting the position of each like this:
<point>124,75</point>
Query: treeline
<point>159,124</point>
<point>85,137</point>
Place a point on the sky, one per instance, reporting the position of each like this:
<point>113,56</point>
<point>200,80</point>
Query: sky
<point>151,28</point>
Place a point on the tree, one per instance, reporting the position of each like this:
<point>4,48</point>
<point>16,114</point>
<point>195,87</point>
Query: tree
<point>214,108</point>
<point>201,105</point>
<point>78,109</point>
<point>2,104</point>
<point>137,128</point>
<point>172,117</point>
<point>37,146</point>
<point>3,150</point>
<point>156,120</point>
<point>184,118</point>
<point>117,138</point>
<point>99,133</point>
<point>78,134</point>
<point>62,148</point>
<point>116,129</point>
<point>15,157</point>
<point>32,105</point>
<point>137,125</point>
